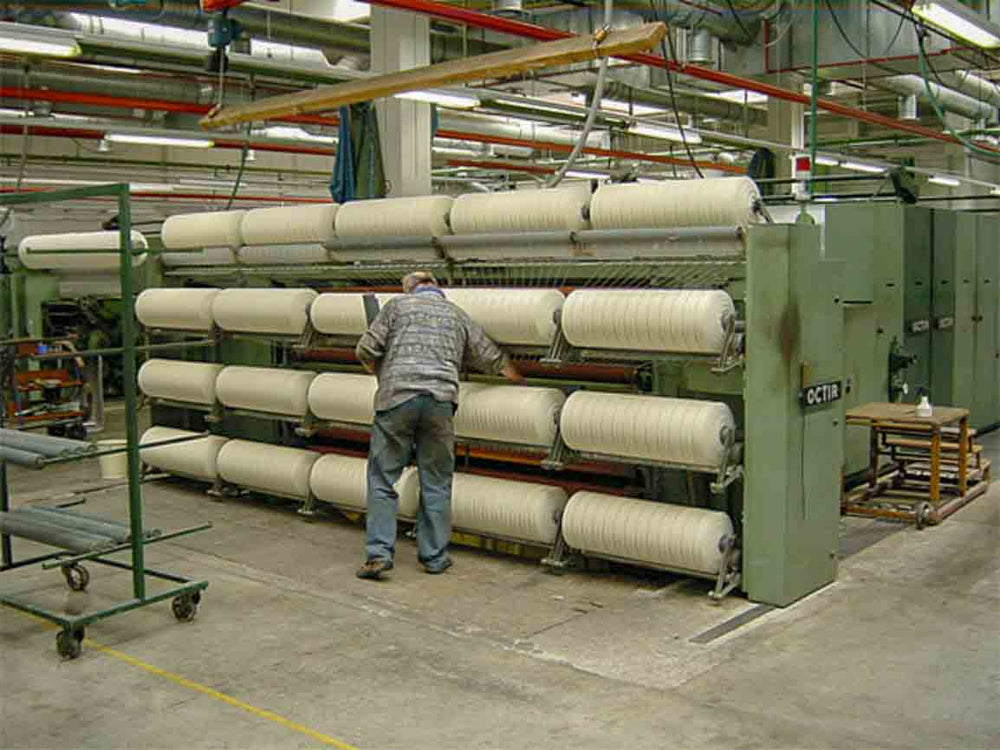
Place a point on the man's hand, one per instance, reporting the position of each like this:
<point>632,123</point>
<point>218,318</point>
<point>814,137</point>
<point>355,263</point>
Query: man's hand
<point>511,373</point>
<point>369,367</point>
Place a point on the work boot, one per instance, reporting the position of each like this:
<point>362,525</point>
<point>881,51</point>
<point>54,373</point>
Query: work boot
<point>441,567</point>
<point>372,570</point>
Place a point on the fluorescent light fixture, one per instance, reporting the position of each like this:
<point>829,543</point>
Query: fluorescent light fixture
<point>942,180</point>
<point>453,151</point>
<point>827,161</point>
<point>858,166</point>
<point>22,39</point>
<point>957,19</point>
<point>12,113</point>
<point>995,191</point>
<point>664,132</point>
<point>158,140</point>
<point>445,99</point>
<point>293,133</point>
<point>740,96</point>
<point>146,32</point>
<point>581,174</point>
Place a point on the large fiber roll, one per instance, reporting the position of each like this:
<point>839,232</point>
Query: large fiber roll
<point>523,511</point>
<point>671,536</point>
<point>267,389</point>
<point>289,225</point>
<point>653,428</point>
<point>422,216</point>
<point>175,380</point>
<point>512,316</point>
<point>660,320</point>
<point>727,201</point>
<point>206,229</point>
<point>207,256</point>
<point>181,309</point>
<point>273,255</point>
<point>279,311</point>
<point>343,480</point>
<point>196,459</point>
<point>342,313</point>
<point>343,397</point>
<point>274,469</point>
<point>521,211</point>
<point>31,251</point>
<point>508,413</point>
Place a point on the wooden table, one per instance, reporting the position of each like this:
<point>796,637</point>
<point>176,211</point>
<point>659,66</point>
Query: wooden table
<point>909,441</point>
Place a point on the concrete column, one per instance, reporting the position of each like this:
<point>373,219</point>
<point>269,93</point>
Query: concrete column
<point>401,41</point>
<point>786,124</point>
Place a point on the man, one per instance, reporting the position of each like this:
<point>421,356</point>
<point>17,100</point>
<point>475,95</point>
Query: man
<point>416,346</point>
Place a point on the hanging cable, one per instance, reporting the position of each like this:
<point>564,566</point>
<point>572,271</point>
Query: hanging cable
<point>239,172</point>
<point>595,104</point>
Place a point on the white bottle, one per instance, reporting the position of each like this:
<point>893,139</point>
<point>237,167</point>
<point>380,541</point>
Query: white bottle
<point>924,408</point>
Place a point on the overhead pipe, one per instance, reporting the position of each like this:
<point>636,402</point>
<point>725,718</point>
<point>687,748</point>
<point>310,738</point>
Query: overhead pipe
<point>172,195</point>
<point>973,85</point>
<point>542,33</point>
<point>948,99</point>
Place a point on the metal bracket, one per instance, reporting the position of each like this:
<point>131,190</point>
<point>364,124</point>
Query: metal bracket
<point>556,458</point>
<point>561,557</point>
<point>729,570</point>
<point>729,470</point>
<point>731,356</point>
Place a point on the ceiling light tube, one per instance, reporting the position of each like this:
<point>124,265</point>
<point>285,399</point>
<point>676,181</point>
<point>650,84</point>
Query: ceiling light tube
<point>827,161</point>
<point>445,99</point>
<point>158,140</point>
<point>943,180</point>
<point>21,39</point>
<point>995,191</point>
<point>861,167</point>
<point>664,132</point>
<point>957,19</point>
<point>581,174</point>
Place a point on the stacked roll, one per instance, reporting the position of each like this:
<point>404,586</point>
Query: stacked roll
<point>422,216</point>
<point>508,413</point>
<point>266,389</point>
<point>46,252</point>
<point>275,311</point>
<point>521,211</point>
<point>671,536</point>
<point>273,469</point>
<point>652,428</point>
<point>289,225</point>
<point>205,229</point>
<point>342,313</point>
<point>273,255</point>
<point>343,481</point>
<point>522,511</point>
<point>180,309</point>
<point>195,459</point>
<point>728,201</point>
<point>176,380</point>
<point>660,320</point>
<point>343,397</point>
<point>512,316</point>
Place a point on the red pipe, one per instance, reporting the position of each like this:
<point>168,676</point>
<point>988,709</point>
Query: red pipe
<point>154,195</point>
<point>542,33</point>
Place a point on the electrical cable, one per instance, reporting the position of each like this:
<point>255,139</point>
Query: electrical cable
<point>595,104</point>
<point>239,172</point>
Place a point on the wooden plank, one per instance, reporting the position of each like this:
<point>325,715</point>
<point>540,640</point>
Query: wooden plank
<point>493,65</point>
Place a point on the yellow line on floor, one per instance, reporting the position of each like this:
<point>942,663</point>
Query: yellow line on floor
<point>210,692</point>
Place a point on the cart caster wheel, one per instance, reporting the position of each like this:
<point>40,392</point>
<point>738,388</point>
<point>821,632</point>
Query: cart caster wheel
<point>76,432</point>
<point>922,517</point>
<point>69,643</point>
<point>77,577</point>
<point>185,606</point>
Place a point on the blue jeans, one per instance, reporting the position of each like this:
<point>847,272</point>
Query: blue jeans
<point>424,426</point>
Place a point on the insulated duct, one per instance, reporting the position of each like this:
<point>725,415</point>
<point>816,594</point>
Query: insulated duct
<point>948,99</point>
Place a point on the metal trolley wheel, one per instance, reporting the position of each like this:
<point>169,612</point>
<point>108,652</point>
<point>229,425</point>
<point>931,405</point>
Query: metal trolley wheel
<point>77,576</point>
<point>922,515</point>
<point>185,606</point>
<point>69,642</point>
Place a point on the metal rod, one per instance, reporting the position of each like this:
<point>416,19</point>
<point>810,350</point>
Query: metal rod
<point>112,451</point>
<point>120,349</point>
<point>46,445</point>
<point>45,532</point>
<point>21,457</point>
<point>119,532</point>
<point>124,547</point>
<point>149,571</point>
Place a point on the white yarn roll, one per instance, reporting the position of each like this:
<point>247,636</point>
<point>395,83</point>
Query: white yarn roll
<point>196,459</point>
<point>343,480</point>
<point>31,251</point>
<point>654,428</point>
<point>271,255</point>
<point>661,320</point>
<point>280,311</point>
<point>422,216</point>
<point>182,309</point>
<point>508,413</point>
<point>521,211</point>
<point>726,201</point>
<point>206,229</point>
<point>267,468</point>
<point>267,389</point>
<point>672,536</point>
<point>208,256</point>
<point>190,382</point>
<point>512,316</point>
<point>342,313</point>
<point>522,511</point>
<point>289,225</point>
<point>343,397</point>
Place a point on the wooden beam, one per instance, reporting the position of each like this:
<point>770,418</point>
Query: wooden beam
<point>493,65</point>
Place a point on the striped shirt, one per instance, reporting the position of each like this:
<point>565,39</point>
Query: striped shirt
<point>419,343</point>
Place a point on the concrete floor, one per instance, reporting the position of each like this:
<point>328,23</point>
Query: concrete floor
<point>290,650</point>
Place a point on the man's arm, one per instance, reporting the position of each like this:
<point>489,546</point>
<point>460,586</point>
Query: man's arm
<point>486,356</point>
<point>372,345</point>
